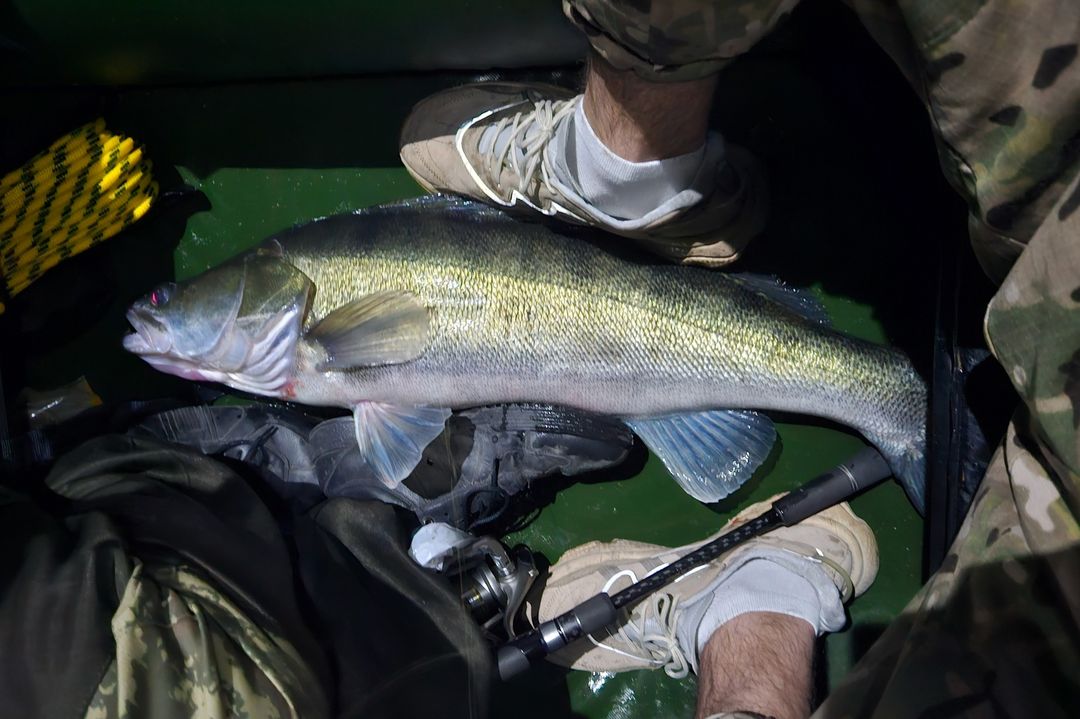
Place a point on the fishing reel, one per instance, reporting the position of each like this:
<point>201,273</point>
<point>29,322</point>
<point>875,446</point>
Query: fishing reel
<point>493,581</point>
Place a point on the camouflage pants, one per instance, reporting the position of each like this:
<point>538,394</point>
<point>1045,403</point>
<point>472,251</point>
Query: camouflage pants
<point>148,580</point>
<point>995,630</point>
<point>183,645</point>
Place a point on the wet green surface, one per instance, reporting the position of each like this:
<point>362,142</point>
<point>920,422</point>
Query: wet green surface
<point>267,155</point>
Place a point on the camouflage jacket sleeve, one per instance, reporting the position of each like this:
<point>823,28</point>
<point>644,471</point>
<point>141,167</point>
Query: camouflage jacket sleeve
<point>1033,327</point>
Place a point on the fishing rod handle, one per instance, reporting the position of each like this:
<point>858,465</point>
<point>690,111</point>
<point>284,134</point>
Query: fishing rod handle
<point>601,611</point>
<point>864,470</point>
<point>517,655</point>
<point>702,555</point>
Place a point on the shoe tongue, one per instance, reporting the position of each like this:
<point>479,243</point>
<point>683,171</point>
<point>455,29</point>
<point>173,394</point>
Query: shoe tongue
<point>494,140</point>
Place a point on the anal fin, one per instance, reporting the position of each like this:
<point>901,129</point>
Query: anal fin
<point>392,438</point>
<point>710,454</point>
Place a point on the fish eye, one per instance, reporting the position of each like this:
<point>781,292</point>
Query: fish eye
<point>160,296</point>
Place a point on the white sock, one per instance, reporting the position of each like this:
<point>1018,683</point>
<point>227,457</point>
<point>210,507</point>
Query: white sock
<point>772,580</point>
<point>620,188</point>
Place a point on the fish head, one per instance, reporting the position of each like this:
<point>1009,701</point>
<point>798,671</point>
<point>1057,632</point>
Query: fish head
<point>238,323</point>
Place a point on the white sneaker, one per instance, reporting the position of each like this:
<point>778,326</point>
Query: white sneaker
<point>448,144</point>
<point>662,629</point>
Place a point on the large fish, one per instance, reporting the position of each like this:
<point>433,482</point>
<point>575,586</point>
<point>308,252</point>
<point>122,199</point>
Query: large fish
<point>404,311</point>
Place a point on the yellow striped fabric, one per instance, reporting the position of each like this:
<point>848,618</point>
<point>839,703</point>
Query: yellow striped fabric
<point>82,190</point>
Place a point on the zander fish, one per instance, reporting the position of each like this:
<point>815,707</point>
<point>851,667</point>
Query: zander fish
<point>404,311</point>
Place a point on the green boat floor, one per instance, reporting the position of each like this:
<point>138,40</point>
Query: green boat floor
<point>268,155</point>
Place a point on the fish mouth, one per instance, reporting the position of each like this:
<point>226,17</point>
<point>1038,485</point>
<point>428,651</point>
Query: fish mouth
<point>151,341</point>
<point>150,336</point>
<point>260,364</point>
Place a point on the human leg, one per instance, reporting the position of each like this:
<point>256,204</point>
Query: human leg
<point>641,120</point>
<point>664,181</point>
<point>757,662</point>
<point>1001,82</point>
<point>994,630</point>
<point>635,145</point>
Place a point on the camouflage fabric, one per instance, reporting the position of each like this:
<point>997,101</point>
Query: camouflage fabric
<point>156,581</point>
<point>1005,109</point>
<point>183,649</point>
<point>676,40</point>
<point>1033,327</point>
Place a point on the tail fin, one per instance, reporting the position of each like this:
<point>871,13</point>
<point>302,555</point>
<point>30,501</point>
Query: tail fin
<point>909,468</point>
<point>902,442</point>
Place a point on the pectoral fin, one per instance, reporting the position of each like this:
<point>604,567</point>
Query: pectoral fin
<point>710,454</point>
<point>392,438</point>
<point>378,329</point>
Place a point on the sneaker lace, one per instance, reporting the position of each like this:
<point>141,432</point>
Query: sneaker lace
<point>847,591</point>
<point>523,154</point>
<point>658,648</point>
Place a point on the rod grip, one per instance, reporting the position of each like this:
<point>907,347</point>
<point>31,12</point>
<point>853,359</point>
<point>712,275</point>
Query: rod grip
<point>865,469</point>
<point>592,615</point>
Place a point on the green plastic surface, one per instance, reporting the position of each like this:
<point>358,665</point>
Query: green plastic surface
<point>119,42</point>
<point>267,155</point>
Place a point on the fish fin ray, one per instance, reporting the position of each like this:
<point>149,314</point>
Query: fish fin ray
<point>907,459</point>
<point>392,437</point>
<point>378,329</point>
<point>710,454</point>
<point>909,467</point>
<point>801,301</point>
<point>445,202</point>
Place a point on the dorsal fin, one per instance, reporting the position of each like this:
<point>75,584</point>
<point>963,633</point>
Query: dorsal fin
<point>796,299</point>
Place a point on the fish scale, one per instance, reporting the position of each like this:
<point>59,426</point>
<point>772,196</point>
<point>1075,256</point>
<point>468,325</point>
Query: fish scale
<point>518,302</point>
